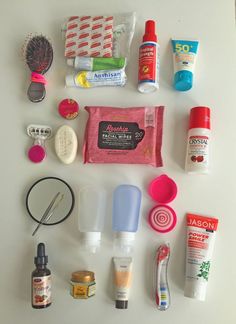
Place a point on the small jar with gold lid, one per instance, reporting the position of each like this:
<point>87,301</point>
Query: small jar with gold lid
<point>83,284</point>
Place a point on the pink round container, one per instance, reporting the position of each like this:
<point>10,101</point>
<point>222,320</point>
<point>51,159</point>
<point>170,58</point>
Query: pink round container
<point>68,109</point>
<point>162,189</point>
<point>36,153</point>
<point>162,218</point>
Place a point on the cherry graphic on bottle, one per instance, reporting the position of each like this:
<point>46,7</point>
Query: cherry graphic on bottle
<point>200,158</point>
<point>193,158</point>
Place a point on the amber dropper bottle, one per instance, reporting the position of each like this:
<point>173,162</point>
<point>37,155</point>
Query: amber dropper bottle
<point>41,280</point>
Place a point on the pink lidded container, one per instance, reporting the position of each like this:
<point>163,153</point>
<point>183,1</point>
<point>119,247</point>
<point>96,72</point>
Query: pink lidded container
<point>162,218</point>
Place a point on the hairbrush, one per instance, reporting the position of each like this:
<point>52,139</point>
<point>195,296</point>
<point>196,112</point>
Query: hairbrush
<point>38,54</point>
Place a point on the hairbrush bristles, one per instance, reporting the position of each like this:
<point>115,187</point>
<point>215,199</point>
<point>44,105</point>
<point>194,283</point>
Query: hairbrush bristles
<point>38,55</point>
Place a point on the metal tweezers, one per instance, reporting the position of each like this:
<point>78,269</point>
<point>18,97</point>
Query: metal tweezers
<point>49,211</point>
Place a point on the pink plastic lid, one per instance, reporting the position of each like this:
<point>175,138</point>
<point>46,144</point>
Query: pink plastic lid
<point>162,189</point>
<point>162,218</point>
<point>68,109</point>
<point>36,153</point>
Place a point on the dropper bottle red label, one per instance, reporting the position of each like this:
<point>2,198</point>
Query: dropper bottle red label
<point>41,280</point>
<point>148,76</point>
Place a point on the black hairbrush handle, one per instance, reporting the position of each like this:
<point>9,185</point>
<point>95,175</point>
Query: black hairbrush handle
<point>36,92</point>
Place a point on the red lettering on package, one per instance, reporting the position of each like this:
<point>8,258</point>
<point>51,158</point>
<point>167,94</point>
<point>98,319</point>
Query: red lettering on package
<point>147,63</point>
<point>207,223</point>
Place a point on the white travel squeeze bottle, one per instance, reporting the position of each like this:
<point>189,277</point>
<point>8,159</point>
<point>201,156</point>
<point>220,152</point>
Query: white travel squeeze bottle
<point>92,211</point>
<point>197,155</point>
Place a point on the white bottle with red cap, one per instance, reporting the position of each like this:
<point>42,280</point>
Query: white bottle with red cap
<point>197,155</point>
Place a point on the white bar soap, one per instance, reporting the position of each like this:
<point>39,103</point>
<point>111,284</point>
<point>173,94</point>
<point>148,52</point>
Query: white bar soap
<point>66,144</point>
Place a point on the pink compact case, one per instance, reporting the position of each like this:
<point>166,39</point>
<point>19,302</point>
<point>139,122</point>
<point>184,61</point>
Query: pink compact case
<point>162,218</point>
<point>124,135</point>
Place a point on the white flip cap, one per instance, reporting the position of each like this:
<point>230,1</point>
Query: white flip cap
<point>92,241</point>
<point>70,81</point>
<point>81,63</point>
<point>70,62</point>
<point>195,289</point>
<point>124,241</point>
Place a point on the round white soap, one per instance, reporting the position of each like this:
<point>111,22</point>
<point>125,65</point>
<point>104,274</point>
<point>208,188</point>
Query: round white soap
<point>66,144</point>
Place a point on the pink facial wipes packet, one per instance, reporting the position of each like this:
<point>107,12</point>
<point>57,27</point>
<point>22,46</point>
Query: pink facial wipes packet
<point>124,135</point>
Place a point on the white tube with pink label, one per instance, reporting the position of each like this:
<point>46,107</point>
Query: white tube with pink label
<point>201,233</point>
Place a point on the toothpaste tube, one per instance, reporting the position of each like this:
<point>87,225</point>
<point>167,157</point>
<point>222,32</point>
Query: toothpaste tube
<point>184,55</point>
<point>86,79</point>
<point>201,233</point>
<point>97,63</point>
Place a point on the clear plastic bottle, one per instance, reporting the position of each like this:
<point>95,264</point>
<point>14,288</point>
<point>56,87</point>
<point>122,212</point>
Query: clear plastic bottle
<point>197,155</point>
<point>125,216</point>
<point>92,211</point>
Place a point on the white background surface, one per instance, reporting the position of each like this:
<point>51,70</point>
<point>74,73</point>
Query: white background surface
<point>212,22</point>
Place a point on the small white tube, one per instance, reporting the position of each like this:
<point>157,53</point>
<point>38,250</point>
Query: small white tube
<point>122,280</point>
<point>201,232</point>
<point>89,79</point>
<point>184,56</point>
<point>82,63</point>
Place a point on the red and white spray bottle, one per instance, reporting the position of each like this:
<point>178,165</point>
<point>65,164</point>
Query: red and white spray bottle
<point>148,76</point>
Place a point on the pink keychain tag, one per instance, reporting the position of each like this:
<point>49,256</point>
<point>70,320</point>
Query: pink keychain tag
<point>39,133</point>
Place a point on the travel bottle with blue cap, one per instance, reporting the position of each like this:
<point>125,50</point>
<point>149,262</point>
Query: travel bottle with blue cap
<point>184,55</point>
<point>125,217</point>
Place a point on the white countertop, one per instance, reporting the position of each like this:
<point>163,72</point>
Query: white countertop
<point>213,24</point>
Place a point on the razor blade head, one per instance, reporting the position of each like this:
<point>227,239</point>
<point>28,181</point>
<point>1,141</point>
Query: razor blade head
<point>39,131</point>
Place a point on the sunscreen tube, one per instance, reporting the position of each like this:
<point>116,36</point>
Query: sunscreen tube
<point>184,56</point>
<point>86,79</point>
<point>201,233</point>
<point>122,280</point>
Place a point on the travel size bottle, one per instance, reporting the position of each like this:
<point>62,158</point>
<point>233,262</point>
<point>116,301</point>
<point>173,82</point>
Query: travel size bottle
<point>148,75</point>
<point>197,155</point>
<point>125,217</point>
<point>92,212</point>
<point>41,280</point>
